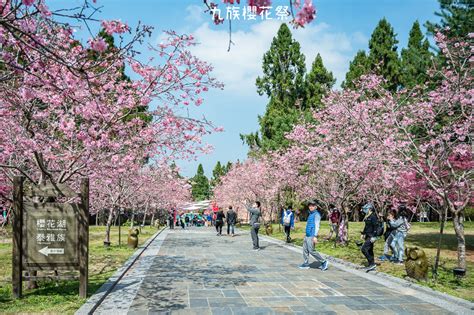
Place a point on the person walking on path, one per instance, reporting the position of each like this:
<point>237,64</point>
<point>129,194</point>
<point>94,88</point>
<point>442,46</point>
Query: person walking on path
<point>288,222</point>
<point>369,235</point>
<point>220,216</point>
<point>231,220</point>
<point>311,238</point>
<point>171,220</point>
<point>255,213</point>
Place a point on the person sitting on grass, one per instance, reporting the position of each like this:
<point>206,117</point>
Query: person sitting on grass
<point>369,235</point>
<point>311,238</point>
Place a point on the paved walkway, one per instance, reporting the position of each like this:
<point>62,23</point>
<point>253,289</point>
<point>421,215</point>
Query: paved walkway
<point>195,272</point>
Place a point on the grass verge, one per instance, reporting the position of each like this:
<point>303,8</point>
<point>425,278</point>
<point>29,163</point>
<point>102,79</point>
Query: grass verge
<point>62,296</point>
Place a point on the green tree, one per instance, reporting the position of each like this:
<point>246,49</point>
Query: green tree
<point>228,167</point>
<point>218,171</point>
<point>383,57</point>
<point>283,83</point>
<point>318,82</point>
<point>200,185</point>
<point>357,67</point>
<point>416,59</point>
<point>458,15</point>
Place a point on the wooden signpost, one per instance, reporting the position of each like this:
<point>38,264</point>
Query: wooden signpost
<point>49,235</point>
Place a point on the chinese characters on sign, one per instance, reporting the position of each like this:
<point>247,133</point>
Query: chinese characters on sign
<point>52,234</point>
<point>50,230</point>
<point>249,13</point>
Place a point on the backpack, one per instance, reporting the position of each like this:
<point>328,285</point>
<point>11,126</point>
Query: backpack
<point>287,219</point>
<point>380,227</point>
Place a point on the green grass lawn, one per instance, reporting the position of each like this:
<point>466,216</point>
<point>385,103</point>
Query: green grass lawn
<point>424,235</point>
<point>62,297</point>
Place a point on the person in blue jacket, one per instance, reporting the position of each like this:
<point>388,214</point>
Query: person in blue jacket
<point>311,238</point>
<point>288,222</point>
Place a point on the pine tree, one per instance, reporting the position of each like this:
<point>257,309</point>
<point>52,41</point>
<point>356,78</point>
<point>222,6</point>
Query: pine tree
<point>228,167</point>
<point>416,59</point>
<point>200,185</point>
<point>217,173</point>
<point>357,67</point>
<point>458,15</point>
<point>383,57</point>
<point>283,83</point>
<point>318,82</point>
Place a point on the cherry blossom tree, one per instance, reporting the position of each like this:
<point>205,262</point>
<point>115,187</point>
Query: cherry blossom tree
<point>428,132</point>
<point>66,110</point>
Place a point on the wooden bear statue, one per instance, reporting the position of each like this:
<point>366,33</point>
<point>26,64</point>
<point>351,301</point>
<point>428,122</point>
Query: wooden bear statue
<point>133,238</point>
<point>268,228</point>
<point>416,264</point>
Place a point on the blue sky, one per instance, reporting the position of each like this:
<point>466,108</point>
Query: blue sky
<point>341,28</point>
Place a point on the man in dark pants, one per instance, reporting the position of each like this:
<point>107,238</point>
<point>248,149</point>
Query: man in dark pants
<point>288,221</point>
<point>255,214</point>
<point>231,220</point>
<point>369,235</point>
<point>171,220</point>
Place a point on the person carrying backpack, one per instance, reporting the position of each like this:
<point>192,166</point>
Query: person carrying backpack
<point>288,222</point>
<point>369,234</point>
<point>220,216</point>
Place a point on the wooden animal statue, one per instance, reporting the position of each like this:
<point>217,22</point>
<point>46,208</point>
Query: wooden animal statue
<point>133,238</point>
<point>416,264</point>
<point>268,229</point>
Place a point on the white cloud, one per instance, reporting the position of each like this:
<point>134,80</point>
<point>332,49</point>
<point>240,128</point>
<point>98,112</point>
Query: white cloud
<point>194,14</point>
<point>239,68</point>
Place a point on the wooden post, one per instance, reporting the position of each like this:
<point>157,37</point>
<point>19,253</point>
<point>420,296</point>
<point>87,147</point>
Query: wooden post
<point>17,257</point>
<point>84,238</point>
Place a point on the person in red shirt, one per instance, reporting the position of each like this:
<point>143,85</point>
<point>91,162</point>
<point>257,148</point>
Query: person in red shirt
<point>334,220</point>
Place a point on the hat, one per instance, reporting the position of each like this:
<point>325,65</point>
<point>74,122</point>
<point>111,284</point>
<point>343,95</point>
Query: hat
<point>312,202</point>
<point>368,206</point>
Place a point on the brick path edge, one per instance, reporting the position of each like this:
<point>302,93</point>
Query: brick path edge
<point>97,298</point>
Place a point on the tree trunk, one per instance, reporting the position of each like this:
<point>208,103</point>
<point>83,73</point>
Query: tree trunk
<point>152,219</point>
<point>438,251</point>
<point>144,219</point>
<point>133,219</point>
<point>355,216</point>
<point>458,222</point>
<point>108,226</point>
<point>344,235</point>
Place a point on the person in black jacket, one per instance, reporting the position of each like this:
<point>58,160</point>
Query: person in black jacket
<point>369,235</point>
<point>231,220</point>
<point>220,216</point>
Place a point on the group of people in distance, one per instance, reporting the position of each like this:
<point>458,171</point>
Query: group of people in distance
<point>394,229</point>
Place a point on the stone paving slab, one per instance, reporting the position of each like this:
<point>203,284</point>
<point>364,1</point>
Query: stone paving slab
<point>195,272</point>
